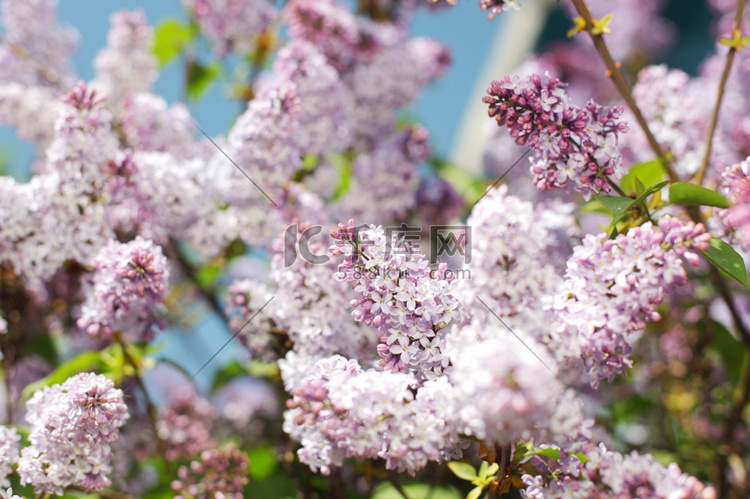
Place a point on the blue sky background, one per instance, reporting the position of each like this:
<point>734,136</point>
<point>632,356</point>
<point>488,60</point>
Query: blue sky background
<point>463,28</point>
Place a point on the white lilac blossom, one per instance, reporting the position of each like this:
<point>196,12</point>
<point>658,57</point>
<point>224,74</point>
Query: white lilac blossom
<point>262,141</point>
<point>31,28</point>
<point>149,124</point>
<point>573,147</point>
<point>324,102</point>
<point>341,411</point>
<point>71,428</point>
<point>31,110</point>
<point>607,473</point>
<point>510,266</point>
<point>612,288</point>
<point>126,291</point>
<point>677,113</point>
<point>505,391</point>
<point>306,302</point>
<point>232,25</point>
<point>406,300</point>
<point>220,473</point>
<point>736,185</point>
<point>9,453</point>
<point>127,64</point>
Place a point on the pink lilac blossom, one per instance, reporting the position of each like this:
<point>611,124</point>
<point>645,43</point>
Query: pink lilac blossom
<point>437,202</point>
<point>574,147</point>
<point>71,429</point>
<point>384,180</point>
<point>232,25</point>
<point>31,110</point>
<point>126,291</point>
<point>9,453</point>
<point>344,38</point>
<point>220,473</point>
<point>185,424</point>
<point>493,7</point>
<point>611,474</point>
<point>612,288</point>
<point>341,411</point>
<point>400,295</point>
<point>127,64</point>
<point>736,185</point>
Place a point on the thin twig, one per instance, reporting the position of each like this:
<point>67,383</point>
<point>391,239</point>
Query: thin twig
<point>614,73</point>
<point>397,486</point>
<point>151,412</point>
<point>700,174</point>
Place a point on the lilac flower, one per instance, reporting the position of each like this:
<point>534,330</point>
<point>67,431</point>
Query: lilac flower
<point>736,185</point>
<point>9,453</point>
<point>150,125</point>
<point>219,473</point>
<point>378,268</point>
<point>341,411</point>
<point>126,291</point>
<point>185,424</point>
<point>126,65</point>
<point>611,474</point>
<point>72,427</point>
<point>574,147</point>
<point>234,25</point>
<point>612,288</point>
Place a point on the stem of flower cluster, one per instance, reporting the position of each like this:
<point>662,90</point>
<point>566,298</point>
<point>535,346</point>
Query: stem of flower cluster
<point>719,96</point>
<point>613,71</point>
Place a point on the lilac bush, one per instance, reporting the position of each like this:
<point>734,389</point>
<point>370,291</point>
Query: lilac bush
<point>574,324</point>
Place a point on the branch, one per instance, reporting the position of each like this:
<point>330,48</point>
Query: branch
<point>700,174</point>
<point>614,73</point>
<point>741,399</point>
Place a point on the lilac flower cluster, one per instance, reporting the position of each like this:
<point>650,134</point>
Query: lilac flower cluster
<point>340,410</point>
<point>607,474</point>
<point>736,185</point>
<point>493,7</point>
<point>232,25</point>
<point>220,473</point>
<point>126,292</point>
<point>9,453</point>
<point>185,424</point>
<point>126,65</point>
<point>72,427</point>
<point>399,294</point>
<point>612,288</point>
<point>504,393</point>
<point>574,147</point>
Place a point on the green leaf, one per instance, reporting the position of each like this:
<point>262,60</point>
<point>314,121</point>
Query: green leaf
<point>464,471</point>
<point>170,37</point>
<point>208,275</point>
<point>583,457</point>
<point>649,172</point>
<point>727,346</point>
<point>416,491</point>
<point>200,77</point>
<point>262,462</point>
<point>639,187</point>
<point>226,374</point>
<point>549,452</point>
<point>692,194</point>
<point>475,493</point>
<point>344,165</point>
<point>726,259</point>
<point>616,205</point>
<point>84,362</point>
